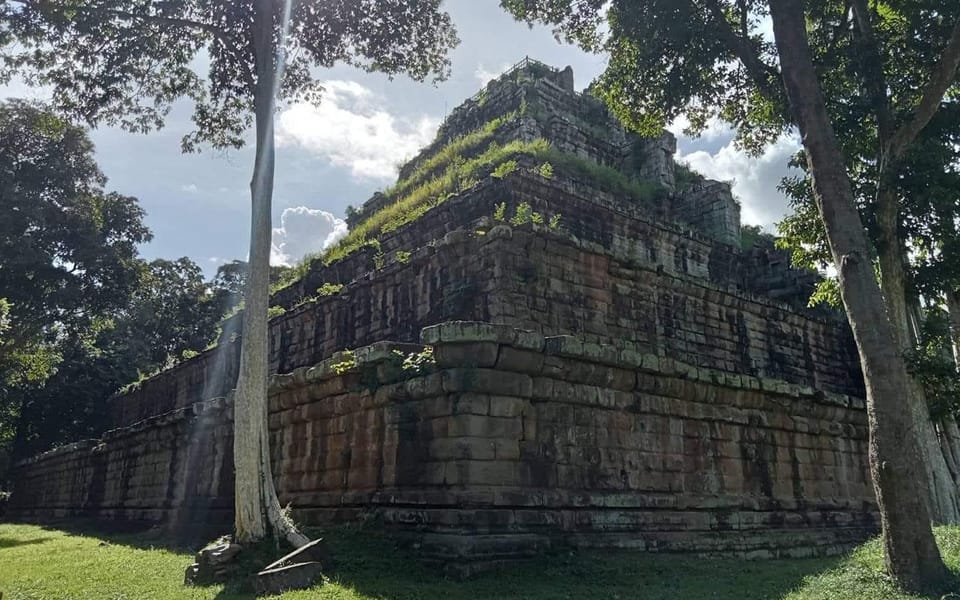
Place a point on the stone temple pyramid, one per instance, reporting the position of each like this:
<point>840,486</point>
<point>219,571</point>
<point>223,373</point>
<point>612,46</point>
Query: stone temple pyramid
<point>545,334</point>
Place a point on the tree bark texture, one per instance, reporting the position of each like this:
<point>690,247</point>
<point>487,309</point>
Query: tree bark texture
<point>953,309</point>
<point>912,556</point>
<point>942,486</point>
<point>257,506</point>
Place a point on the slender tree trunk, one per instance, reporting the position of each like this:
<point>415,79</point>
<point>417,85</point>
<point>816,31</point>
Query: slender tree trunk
<point>257,506</point>
<point>912,556</point>
<point>953,309</point>
<point>950,435</point>
<point>943,493</point>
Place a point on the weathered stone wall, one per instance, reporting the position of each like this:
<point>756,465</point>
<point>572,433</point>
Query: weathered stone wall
<point>512,444</point>
<point>696,407</point>
<point>711,208</point>
<point>175,470</point>
<point>438,283</point>
<point>548,284</point>
<point>617,277</point>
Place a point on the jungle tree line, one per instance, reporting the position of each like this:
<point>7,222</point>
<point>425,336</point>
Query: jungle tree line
<point>81,312</point>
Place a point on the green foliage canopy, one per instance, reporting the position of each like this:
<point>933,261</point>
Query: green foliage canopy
<point>68,247</point>
<point>124,62</point>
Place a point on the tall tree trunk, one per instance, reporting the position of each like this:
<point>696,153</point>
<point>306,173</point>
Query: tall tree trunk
<point>257,506</point>
<point>912,556</point>
<point>953,309</point>
<point>943,493</point>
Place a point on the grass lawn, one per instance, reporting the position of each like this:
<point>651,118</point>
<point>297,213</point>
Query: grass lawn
<point>43,563</point>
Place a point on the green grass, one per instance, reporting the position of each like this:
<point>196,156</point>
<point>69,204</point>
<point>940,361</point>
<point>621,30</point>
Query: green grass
<point>39,563</point>
<point>458,149</point>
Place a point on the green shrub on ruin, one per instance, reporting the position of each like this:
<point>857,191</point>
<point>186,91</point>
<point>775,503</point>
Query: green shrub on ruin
<point>504,169</point>
<point>419,363</point>
<point>459,177</point>
<point>604,177</point>
<point>329,289</point>
<point>460,147</point>
<point>347,362</point>
<point>500,212</point>
<point>522,215</point>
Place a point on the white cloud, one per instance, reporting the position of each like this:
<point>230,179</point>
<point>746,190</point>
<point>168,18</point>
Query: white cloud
<point>351,129</point>
<point>716,129</point>
<point>755,179</point>
<point>484,75</point>
<point>304,231</point>
<point>190,188</point>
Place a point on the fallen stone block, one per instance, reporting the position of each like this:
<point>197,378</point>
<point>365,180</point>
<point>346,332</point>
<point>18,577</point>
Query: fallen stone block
<point>284,575</point>
<point>299,576</point>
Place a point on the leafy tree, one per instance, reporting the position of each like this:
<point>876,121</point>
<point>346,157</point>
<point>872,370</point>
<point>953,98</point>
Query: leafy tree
<point>709,58</point>
<point>877,63</point>
<point>228,283</point>
<point>169,313</point>
<point>67,249</point>
<point>124,62</point>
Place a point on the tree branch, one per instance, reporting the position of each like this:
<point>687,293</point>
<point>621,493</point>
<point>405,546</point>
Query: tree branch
<point>148,18</point>
<point>944,76</point>
<point>229,42</point>
<point>873,73</point>
<point>763,75</point>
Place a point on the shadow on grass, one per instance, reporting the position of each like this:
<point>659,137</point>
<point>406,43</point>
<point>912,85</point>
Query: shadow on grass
<point>133,535</point>
<point>375,565</point>
<point>11,543</point>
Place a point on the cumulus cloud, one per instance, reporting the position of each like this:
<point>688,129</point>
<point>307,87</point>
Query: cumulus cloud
<point>351,129</point>
<point>716,129</point>
<point>304,231</point>
<point>754,179</point>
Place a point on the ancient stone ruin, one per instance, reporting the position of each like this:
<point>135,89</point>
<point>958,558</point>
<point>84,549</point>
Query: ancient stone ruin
<point>546,334</point>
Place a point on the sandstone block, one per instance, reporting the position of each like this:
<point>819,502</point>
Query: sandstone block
<point>487,381</point>
<point>519,360</point>
<point>508,406</point>
<point>471,403</point>
<point>467,354</point>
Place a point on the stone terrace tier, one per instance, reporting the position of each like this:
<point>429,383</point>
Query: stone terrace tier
<point>657,294</point>
<point>546,106</point>
<point>507,444</point>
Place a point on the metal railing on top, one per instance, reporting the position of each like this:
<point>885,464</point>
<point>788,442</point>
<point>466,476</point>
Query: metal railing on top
<point>526,63</point>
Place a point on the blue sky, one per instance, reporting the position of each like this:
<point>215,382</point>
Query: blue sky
<point>339,153</point>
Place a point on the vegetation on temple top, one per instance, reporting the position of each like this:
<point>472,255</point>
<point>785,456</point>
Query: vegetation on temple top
<point>459,165</point>
<point>686,178</point>
<point>460,174</point>
<point>459,148</point>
